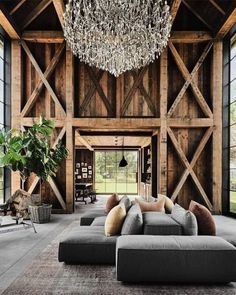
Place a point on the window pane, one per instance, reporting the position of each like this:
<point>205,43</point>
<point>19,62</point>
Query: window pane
<point>1,113</point>
<point>232,202</point>
<point>233,91</point>
<point>233,158</point>
<point>1,91</point>
<point>233,69</point>
<point>233,135</point>
<point>1,69</point>
<point>232,177</point>
<point>233,113</point>
<point>233,47</point>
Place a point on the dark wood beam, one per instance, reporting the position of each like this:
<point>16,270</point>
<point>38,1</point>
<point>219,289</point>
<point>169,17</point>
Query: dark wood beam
<point>228,22</point>
<point>190,36</point>
<point>175,4</point>
<point>17,6</point>
<point>60,9</point>
<point>35,12</point>
<point>8,24</point>
<point>43,36</point>
<point>217,6</point>
<point>196,14</point>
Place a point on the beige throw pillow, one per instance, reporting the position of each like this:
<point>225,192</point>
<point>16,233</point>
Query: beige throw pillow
<point>158,206</point>
<point>114,220</point>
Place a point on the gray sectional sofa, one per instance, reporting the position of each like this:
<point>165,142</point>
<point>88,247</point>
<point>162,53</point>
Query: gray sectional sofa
<point>162,251</point>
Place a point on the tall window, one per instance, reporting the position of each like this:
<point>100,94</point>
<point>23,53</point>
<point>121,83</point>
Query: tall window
<point>229,124</point>
<point>4,110</point>
<point>109,177</point>
<point>232,121</point>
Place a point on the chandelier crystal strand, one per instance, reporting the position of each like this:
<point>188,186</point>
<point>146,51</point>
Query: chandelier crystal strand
<point>117,35</point>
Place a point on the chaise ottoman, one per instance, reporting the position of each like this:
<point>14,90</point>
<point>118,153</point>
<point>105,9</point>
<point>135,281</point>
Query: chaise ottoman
<point>195,259</point>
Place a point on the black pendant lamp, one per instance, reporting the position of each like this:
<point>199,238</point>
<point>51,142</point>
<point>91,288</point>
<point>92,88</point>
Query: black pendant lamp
<point>123,162</point>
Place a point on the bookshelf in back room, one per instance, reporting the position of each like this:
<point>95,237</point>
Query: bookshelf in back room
<point>84,170</point>
<point>146,172</point>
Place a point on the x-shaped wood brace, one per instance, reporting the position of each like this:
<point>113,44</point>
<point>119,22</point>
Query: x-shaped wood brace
<point>189,80</point>
<point>132,90</point>
<point>189,166</point>
<point>144,93</point>
<point>51,181</point>
<point>44,77</point>
<point>99,89</point>
<point>90,93</point>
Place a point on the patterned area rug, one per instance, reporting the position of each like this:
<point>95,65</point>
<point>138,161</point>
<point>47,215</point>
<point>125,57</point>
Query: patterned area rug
<point>47,276</point>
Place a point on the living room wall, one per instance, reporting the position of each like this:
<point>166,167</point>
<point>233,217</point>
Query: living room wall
<point>178,97</point>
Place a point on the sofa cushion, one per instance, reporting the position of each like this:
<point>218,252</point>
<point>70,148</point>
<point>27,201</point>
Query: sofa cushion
<point>192,259</point>
<point>99,221</point>
<point>87,244</point>
<point>115,220</point>
<point>186,219</point>
<point>111,202</point>
<point>88,217</point>
<point>158,206</point>
<point>126,201</point>
<point>156,223</point>
<point>133,223</point>
<point>206,223</point>
<point>168,203</point>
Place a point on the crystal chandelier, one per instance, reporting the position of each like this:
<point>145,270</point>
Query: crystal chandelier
<point>117,35</point>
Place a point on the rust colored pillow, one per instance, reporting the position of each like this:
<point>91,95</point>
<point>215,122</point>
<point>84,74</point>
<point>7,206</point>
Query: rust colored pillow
<point>112,201</point>
<point>158,206</point>
<point>206,223</point>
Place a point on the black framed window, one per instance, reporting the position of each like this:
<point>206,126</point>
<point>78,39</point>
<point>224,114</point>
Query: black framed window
<point>4,107</point>
<point>229,124</point>
<point>110,178</point>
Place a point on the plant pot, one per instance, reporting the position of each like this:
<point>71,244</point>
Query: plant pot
<point>40,213</point>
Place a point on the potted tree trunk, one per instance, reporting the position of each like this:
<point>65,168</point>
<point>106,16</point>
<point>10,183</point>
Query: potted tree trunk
<point>29,151</point>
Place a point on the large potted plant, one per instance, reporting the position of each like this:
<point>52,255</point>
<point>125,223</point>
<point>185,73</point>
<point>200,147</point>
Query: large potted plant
<point>29,151</point>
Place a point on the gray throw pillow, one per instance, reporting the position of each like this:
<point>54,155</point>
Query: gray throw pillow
<point>126,201</point>
<point>186,219</point>
<point>133,224</point>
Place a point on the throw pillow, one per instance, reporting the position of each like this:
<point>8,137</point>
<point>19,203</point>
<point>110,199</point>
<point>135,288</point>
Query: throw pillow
<point>206,223</point>
<point>186,219</point>
<point>115,220</point>
<point>112,201</point>
<point>126,201</point>
<point>158,206</point>
<point>133,223</point>
<point>168,203</point>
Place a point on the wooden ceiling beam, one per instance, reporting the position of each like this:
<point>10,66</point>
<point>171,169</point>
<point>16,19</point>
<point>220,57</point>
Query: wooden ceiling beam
<point>174,9</point>
<point>83,141</point>
<point>196,14</point>
<point>226,25</point>
<point>217,6</point>
<point>190,36</point>
<point>60,9</point>
<point>43,36</point>
<point>17,6</point>
<point>8,24</point>
<point>36,12</point>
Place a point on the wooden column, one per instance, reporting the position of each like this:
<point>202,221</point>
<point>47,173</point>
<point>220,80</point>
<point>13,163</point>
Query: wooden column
<point>217,133</point>
<point>162,140</point>
<point>69,130</point>
<point>16,96</point>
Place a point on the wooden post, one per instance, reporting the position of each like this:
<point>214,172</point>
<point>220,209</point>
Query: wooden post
<point>16,96</point>
<point>162,140</point>
<point>217,133</point>
<point>69,130</point>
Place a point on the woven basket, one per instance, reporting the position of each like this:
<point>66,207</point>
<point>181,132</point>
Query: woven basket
<point>40,214</point>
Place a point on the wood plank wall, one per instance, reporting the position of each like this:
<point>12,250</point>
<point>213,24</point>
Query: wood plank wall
<point>176,96</point>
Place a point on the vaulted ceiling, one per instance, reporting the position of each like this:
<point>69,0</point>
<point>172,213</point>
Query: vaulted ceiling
<point>47,15</point>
